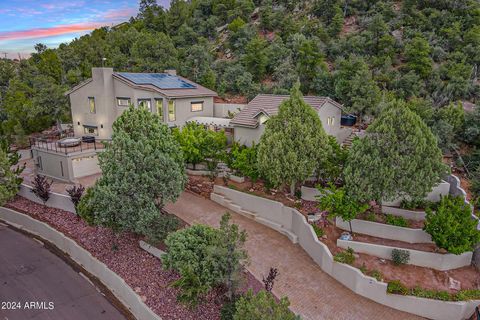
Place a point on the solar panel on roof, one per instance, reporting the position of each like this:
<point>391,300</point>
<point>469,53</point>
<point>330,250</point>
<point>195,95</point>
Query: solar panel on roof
<point>160,80</point>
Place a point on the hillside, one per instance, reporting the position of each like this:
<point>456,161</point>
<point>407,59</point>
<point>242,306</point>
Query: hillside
<point>361,53</point>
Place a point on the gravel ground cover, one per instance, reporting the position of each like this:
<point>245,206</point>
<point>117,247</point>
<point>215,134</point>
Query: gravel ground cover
<point>139,269</point>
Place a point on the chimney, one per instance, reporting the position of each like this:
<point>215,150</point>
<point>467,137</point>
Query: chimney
<point>102,73</point>
<point>171,72</point>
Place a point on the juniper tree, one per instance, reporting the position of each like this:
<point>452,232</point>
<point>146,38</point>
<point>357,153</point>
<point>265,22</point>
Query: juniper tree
<point>142,170</point>
<point>293,142</point>
<point>398,157</point>
<point>8,179</point>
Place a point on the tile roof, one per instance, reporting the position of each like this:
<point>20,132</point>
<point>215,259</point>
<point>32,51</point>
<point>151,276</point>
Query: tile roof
<point>195,90</point>
<point>268,104</point>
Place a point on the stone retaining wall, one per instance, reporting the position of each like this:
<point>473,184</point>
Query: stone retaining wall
<point>110,279</point>
<point>385,231</point>
<point>295,223</point>
<point>438,261</point>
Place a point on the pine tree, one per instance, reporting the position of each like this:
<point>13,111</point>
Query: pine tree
<point>142,170</point>
<point>293,141</point>
<point>398,157</point>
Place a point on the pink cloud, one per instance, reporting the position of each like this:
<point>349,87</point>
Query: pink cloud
<point>119,13</point>
<point>48,32</point>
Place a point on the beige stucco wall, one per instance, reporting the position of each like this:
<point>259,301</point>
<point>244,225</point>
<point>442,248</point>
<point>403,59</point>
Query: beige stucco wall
<point>105,89</point>
<point>246,136</point>
<point>53,165</point>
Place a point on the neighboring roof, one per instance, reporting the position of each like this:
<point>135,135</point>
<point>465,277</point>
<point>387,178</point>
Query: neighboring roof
<point>217,122</point>
<point>169,85</point>
<point>269,103</point>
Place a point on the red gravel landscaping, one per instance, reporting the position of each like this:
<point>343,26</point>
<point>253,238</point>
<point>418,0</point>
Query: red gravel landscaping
<point>139,269</point>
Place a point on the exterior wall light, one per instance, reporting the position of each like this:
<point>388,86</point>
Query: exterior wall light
<point>101,126</point>
<point>78,122</point>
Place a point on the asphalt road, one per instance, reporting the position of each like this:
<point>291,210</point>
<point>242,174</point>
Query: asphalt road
<point>41,286</point>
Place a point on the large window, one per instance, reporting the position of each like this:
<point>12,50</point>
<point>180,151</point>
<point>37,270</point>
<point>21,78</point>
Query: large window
<point>197,106</point>
<point>159,107</point>
<point>145,103</point>
<point>123,102</point>
<point>331,121</point>
<point>91,105</point>
<point>171,110</point>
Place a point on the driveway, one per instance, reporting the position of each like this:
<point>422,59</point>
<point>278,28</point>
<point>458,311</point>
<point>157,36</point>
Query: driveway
<point>312,293</point>
<point>44,287</point>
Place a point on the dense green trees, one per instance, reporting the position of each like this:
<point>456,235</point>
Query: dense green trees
<point>142,170</point>
<point>398,157</point>
<point>262,306</point>
<point>9,181</point>
<point>292,143</point>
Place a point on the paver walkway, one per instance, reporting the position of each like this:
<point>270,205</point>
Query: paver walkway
<point>312,293</point>
<point>31,273</point>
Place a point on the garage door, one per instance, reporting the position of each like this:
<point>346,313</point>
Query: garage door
<point>85,166</point>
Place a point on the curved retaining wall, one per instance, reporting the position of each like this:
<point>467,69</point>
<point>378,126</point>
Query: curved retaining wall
<point>110,279</point>
<point>385,231</point>
<point>438,261</point>
<point>349,276</point>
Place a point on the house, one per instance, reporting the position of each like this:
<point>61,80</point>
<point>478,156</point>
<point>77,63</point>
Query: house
<point>97,102</point>
<point>249,123</point>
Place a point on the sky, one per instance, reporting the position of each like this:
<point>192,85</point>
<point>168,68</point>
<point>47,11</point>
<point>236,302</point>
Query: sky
<point>24,23</point>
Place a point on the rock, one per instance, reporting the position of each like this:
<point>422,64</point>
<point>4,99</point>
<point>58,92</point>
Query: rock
<point>144,298</point>
<point>137,289</point>
<point>324,237</point>
<point>454,284</point>
<point>442,251</point>
<point>383,261</point>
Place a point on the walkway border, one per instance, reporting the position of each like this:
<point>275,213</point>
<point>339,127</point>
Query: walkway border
<point>282,217</point>
<point>119,288</point>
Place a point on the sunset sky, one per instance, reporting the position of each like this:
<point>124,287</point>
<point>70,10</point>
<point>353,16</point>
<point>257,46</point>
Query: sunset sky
<point>23,23</point>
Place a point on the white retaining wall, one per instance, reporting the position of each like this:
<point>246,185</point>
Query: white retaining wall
<point>438,261</point>
<point>110,279</point>
<point>349,276</point>
<point>57,200</point>
<point>385,231</point>
<point>309,194</point>
<point>407,214</point>
<point>442,189</point>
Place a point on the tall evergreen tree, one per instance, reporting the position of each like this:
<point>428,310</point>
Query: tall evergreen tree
<point>398,157</point>
<point>293,141</point>
<point>142,170</point>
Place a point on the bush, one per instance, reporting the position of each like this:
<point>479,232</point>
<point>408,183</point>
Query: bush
<point>41,188</point>
<point>345,256</point>
<point>75,194</point>
<point>161,228</point>
<point>471,294</point>
<point>416,204</point>
<point>400,256</point>
<point>376,274</point>
<point>8,179</point>
<point>396,287</point>
<point>85,208</point>
<point>451,226</point>
<point>431,294</point>
<point>318,231</point>
<point>228,310</point>
<point>262,306</point>
<point>396,220</point>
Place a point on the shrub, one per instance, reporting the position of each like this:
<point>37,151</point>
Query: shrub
<point>318,231</point>
<point>371,217</point>
<point>471,294</point>
<point>269,281</point>
<point>400,256</point>
<point>161,228</point>
<point>431,294</point>
<point>75,194</point>
<point>345,256</point>
<point>396,220</point>
<point>85,208</point>
<point>451,225</point>
<point>262,306</point>
<point>376,274</point>
<point>396,287</point>
<point>228,310</point>
<point>41,188</point>
<point>9,181</point>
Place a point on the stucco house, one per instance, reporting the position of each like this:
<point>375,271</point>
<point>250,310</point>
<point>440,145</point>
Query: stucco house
<point>98,101</point>
<point>249,123</point>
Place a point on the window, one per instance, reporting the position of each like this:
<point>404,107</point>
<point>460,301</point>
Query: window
<point>90,130</point>
<point>330,121</point>
<point>123,102</point>
<point>91,104</point>
<point>171,110</point>
<point>159,106</point>
<point>145,103</point>
<point>197,106</point>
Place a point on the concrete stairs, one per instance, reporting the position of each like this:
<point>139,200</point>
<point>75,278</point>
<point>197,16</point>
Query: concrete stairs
<point>226,202</point>
<point>347,143</point>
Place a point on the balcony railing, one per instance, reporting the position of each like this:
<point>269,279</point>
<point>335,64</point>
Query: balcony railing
<point>51,143</point>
